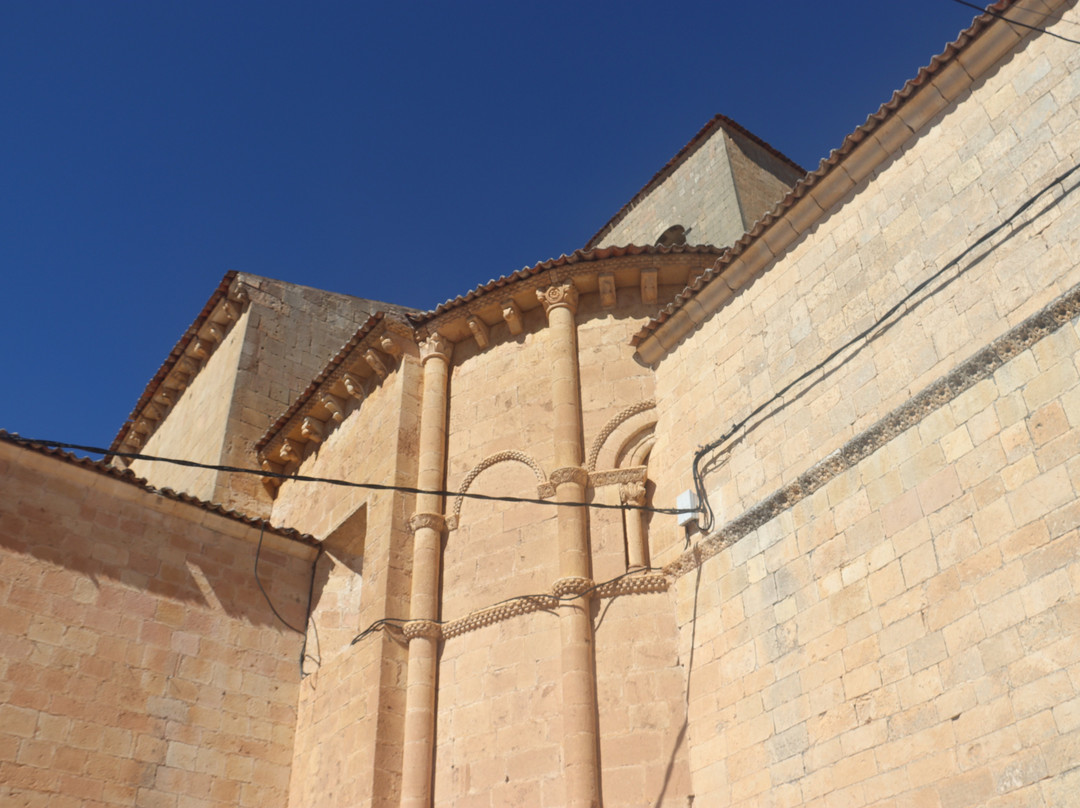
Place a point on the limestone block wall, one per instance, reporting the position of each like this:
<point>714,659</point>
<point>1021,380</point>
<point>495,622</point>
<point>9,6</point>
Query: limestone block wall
<point>978,162</point>
<point>905,630</point>
<point>284,337</point>
<point>348,741</point>
<point>717,192</point>
<point>139,662</point>
<point>908,631</point>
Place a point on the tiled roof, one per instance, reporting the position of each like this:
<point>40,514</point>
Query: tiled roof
<point>703,135</point>
<point>152,386</point>
<point>576,257</point>
<point>129,477</point>
<point>829,164</point>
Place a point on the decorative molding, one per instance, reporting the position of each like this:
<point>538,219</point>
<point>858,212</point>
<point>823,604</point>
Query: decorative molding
<point>571,586</point>
<point>353,385</point>
<point>289,452</point>
<point>632,474</point>
<point>511,313</point>
<point>634,585</point>
<point>649,285</point>
<point>569,474</point>
<point>486,463</point>
<point>559,295</point>
<point>612,425</point>
<point>312,429</point>
<point>422,628</point>
<point>480,330</point>
<point>606,282</point>
<point>979,366</point>
<point>334,405</point>
<point>436,345</point>
<point>496,614</point>
<point>434,521</point>
<point>372,357</point>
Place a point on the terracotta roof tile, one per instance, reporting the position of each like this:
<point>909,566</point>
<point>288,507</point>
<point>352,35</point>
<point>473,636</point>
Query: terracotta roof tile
<point>129,477</point>
<point>576,257</point>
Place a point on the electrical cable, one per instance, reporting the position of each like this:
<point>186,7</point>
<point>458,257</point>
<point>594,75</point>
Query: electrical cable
<point>1001,16</point>
<point>698,476</point>
<point>12,438</point>
<point>536,596</point>
<point>277,614</point>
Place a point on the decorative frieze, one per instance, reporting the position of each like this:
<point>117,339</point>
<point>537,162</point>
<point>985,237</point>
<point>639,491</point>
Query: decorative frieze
<point>569,474</point>
<point>631,474</point>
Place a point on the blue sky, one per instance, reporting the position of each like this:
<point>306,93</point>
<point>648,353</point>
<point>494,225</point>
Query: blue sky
<point>404,152</point>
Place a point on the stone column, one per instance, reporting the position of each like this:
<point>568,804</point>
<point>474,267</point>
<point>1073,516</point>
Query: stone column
<point>634,494</point>
<point>421,631</point>
<point>580,721</point>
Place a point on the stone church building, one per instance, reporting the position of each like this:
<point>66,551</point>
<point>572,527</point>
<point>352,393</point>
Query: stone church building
<point>859,385</point>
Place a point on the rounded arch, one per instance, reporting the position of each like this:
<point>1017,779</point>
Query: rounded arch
<point>636,419</point>
<point>489,461</point>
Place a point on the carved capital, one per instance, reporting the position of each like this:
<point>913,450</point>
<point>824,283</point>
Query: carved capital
<point>335,406</point>
<point>435,521</point>
<point>570,586</point>
<point>436,345</point>
<point>632,493</point>
<point>569,474</point>
<point>312,429</point>
<point>353,385</point>
<point>421,628</point>
<point>564,295</point>
<point>512,314</point>
<point>373,359</point>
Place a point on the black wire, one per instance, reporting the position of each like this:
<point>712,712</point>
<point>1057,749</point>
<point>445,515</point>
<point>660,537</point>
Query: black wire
<point>1001,16</point>
<point>269,603</point>
<point>537,596</point>
<point>331,481</point>
<point>699,482</point>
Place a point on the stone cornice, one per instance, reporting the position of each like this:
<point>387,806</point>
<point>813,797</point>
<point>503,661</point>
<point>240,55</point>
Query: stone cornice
<point>359,367</point>
<point>187,358</point>
<point>871,145</point>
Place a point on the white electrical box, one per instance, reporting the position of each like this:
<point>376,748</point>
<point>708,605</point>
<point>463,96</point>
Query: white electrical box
<point>687,501</point>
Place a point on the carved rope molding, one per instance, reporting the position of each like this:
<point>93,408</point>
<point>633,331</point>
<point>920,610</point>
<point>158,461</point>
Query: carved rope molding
<point>612,425</point>
<point>488,462</point>
<point>976,368</point>
<point>422,628</point>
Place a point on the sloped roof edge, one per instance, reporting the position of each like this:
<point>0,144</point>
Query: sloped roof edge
<point>717,121</point>
<point>576,257</point>
<point>129,477</point>
<point>665,330</point>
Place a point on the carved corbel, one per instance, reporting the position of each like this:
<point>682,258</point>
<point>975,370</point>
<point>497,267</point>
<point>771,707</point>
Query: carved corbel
<point>232,310</point>
<point>136,439</point>
<point>215,332</point>
<point>152,412</point>
<point>167,396</point>
<point>648,285</point>
<point>436,345</point>
<point>200,349</point>
<point>186,367</point>
<point>240,294</point>
<point>560,295</point>
<point>272,484</point>
<point>335,406</point>
<point>511,312</point>
<point>479,330</point>
<point>606,281</point>
<point>312,429</point>
<point>353,385</point>
<point>390,346</point>
<point>372,358</point>
<point>289,452</point>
